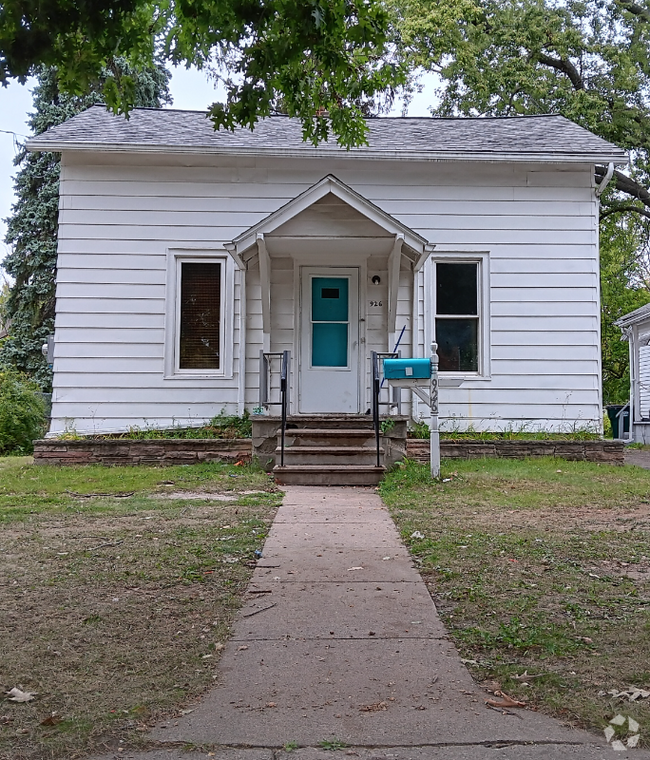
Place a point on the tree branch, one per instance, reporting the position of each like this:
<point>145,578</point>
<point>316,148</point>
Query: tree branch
<point>638,10</point>
<point>625,207</point>
<point>566,67</point>
<point>627,185</point>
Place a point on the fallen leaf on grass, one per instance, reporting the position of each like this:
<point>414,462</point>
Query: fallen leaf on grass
<point>526,677</point>
<point>51,720</point>
<point>16,695</point>
<point>375,707</point>
<point>632,693</point>
<point>505,701</point>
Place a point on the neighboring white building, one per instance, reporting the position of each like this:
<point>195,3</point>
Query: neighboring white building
<point>184,253</point>
<point>636,330</point>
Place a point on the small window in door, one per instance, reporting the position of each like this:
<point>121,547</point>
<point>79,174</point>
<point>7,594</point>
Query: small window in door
<point>457,316</point>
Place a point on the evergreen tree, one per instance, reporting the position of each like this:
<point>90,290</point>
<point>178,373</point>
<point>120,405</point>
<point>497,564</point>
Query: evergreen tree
<point>28,311</point>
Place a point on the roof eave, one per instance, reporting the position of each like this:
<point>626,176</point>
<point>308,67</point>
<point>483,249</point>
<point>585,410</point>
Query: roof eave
<point>328,152</point>
<point>633,318</point>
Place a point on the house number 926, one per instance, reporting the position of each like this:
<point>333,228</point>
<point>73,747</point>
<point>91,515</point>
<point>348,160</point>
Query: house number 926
<point>376,303</point>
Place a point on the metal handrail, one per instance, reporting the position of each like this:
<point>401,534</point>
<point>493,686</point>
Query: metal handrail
<point>377,357</point>
<point>266,358</point>
<point>376,387</point>
<point>284,398</point>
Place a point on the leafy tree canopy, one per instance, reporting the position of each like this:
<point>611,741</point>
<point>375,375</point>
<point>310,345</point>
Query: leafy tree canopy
<point>27,310</point>
<point>586,59</point>
<point>324,58</point>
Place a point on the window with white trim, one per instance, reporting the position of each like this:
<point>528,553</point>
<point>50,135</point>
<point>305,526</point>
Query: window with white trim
<point>199,334</point>
<point>457,316</point>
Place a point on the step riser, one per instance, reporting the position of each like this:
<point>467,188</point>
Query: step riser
<point>325,442</point>
<point>328,479</point>
<point>295,456</point>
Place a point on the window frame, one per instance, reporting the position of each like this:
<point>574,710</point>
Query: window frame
<point>176,259</point>
<point>481,259</point>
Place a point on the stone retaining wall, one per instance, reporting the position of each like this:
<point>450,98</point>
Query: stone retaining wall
<point>171,451</point>
<point>606,451</point>
<point>166,451</point>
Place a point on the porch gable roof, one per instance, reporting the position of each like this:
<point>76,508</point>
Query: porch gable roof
<point>330,184</point>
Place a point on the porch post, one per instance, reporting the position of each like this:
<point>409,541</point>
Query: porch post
<point>434,435</point>
<point>265,285</point>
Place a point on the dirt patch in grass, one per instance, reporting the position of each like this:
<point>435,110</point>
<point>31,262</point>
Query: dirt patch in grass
<point>589,518</point>
<point>114,609</point>
<point>541,571</point>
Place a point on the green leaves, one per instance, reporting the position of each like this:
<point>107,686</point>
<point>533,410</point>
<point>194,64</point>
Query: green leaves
<point>22,413</point>
<point>588,60</point>
<point>317,56</point>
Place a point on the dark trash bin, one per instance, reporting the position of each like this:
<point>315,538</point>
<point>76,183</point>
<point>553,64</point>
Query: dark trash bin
<point>612,413</point>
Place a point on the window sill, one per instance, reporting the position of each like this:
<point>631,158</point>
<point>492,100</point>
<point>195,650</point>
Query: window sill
<point>197,375</point>
<point>455,378</point>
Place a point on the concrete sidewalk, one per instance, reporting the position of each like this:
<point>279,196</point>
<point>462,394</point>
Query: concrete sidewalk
<point>339,641</point>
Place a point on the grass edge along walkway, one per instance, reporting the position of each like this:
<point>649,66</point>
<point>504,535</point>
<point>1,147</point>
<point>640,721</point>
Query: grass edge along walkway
<point>121,584</point>
<point>541,572</point>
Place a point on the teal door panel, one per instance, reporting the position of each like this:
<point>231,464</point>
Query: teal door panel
<point>330,321</point>
<point>329,344</point>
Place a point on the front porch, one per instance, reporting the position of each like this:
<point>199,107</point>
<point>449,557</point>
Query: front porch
<point>328,278</point>
<point>328,449</point>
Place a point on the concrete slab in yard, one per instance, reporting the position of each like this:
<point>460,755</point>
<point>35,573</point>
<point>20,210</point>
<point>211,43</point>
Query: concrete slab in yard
<point>361,565</point>
<point>338,611</point>
<point>327,513</point>
<point>373,693</point>
<point>325,536</point>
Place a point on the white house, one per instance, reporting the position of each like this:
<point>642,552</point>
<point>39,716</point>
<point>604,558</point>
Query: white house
<point>636,330</point>
<point>185,253</point>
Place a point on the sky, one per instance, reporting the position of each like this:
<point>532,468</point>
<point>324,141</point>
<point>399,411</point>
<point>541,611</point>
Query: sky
<point>190,90</point>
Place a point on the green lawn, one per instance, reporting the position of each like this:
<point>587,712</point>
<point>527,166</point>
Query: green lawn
<point>541,571</point>
<point>119,585</point>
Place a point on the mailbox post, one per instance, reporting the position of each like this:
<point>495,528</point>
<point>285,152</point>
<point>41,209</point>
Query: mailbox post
<point>434,434</point>
<point>413,374</point>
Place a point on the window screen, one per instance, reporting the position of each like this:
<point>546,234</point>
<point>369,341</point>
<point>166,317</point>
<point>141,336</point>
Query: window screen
<point>200,315</point>
<point>457,316</point>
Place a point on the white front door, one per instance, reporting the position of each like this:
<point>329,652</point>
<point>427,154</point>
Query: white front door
<point>329,341</point>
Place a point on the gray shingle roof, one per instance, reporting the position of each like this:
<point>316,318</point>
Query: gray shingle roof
<point>634,317</point>
<point>152,130</point>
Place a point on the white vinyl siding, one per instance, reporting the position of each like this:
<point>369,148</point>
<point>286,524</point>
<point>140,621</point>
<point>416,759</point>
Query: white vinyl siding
<point>120,215</point>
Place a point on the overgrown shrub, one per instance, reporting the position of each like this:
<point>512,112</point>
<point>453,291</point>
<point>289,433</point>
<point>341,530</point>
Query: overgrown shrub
<point>22,413</point>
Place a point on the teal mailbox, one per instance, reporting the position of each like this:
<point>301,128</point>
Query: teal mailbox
<point>407,369</point>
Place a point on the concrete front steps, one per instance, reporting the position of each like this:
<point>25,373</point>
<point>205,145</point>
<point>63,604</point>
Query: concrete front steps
<point>330,450</point>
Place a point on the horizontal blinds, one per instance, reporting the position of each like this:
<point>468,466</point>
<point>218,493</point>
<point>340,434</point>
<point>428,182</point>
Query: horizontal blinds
<point>200,315</point>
